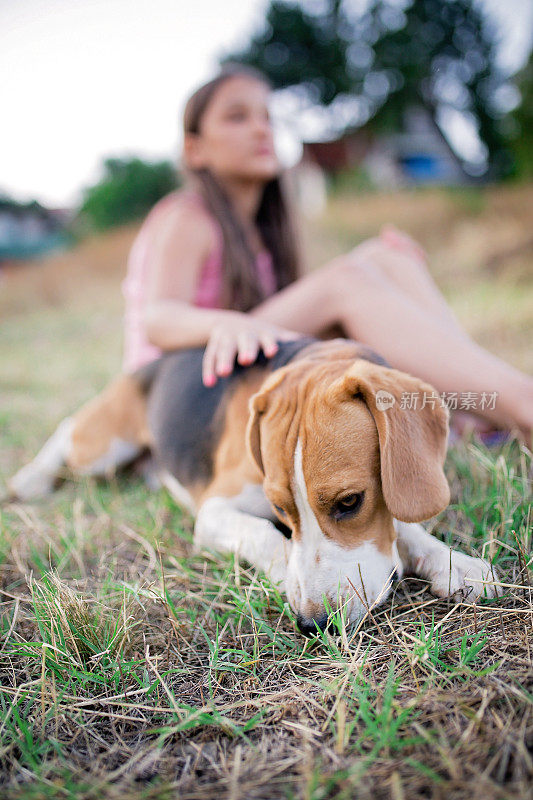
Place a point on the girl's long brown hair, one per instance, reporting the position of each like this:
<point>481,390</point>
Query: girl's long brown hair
<point>240,287</point>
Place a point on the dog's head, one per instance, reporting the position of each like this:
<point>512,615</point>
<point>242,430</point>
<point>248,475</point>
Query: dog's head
<point>342,456</point>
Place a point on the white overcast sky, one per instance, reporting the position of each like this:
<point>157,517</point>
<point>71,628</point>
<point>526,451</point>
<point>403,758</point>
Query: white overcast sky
<point>82,79</point>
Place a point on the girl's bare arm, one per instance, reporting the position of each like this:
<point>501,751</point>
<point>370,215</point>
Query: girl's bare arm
<point>181,245</point>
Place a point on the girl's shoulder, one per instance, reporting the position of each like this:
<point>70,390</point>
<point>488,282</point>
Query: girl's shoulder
<point>183,211</point>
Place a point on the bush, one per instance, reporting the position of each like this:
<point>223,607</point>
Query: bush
<point>127,191</point>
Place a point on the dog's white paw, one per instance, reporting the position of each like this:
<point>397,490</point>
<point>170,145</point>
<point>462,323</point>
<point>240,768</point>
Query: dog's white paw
<point>451,572</point>
<point>30,483</point>
<point>208,533</point>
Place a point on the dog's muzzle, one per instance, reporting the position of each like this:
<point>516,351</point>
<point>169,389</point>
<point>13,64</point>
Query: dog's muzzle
<point>309,626</point>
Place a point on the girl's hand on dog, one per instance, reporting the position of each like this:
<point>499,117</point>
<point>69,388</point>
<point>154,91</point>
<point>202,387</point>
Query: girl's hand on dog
<point>240,336</point>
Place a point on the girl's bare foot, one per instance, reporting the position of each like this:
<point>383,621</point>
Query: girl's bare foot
<point>463,422</point>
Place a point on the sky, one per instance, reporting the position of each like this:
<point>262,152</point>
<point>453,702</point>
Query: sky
<point>82,79</point>
<point>96,77</point>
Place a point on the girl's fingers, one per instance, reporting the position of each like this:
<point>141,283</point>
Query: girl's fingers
<point>269,344</point>
<point>248,347</point>
<point>225,357</point>
<point>208,364</point>
<point>222,348</point>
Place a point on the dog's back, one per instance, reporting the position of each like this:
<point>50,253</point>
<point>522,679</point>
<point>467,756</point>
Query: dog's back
<point>165,407</point>
<point>186,418</point>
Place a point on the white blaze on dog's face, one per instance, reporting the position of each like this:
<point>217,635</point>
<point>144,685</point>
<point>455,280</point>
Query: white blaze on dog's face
<point>343,540</point>
<point>337,473</point>
<point>343,549</point>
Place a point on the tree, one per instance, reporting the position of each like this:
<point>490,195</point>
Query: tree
<point>522,119</point>
<point>436,53</point>
<point>127,191</point>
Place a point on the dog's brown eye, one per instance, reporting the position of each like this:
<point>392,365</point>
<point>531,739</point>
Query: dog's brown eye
<point>348,506</point>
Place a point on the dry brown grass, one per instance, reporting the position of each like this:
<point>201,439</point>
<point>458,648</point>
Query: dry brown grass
<point>94,266</point>
<point>142,670</point>
<point>216,694</point>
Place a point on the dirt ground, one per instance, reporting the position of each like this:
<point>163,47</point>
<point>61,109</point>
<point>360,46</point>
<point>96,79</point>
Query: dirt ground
<point>133,667</point>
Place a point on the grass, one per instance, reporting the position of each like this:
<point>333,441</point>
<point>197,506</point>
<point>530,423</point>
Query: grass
<point>131,667</point>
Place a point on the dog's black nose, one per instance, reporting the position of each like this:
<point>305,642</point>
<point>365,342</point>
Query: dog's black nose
<point>308,625</point>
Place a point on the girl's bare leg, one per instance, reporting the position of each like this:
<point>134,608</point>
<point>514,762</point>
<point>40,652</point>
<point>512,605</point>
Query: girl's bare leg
<point>403,261</point>
<point>372,309</point>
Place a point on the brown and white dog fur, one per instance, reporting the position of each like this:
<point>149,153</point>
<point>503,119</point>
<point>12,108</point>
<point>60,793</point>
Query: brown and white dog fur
<point>300,440</point>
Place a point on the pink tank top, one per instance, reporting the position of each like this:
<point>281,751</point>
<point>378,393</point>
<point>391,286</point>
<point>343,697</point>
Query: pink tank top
<point>137,349</point>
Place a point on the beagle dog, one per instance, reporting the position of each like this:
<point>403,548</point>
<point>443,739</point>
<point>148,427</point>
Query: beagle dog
<point>307,465</point>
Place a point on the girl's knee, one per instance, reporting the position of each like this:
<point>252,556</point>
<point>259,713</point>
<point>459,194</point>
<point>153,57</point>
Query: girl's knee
<point>349,282</point>
<point>347,271</point>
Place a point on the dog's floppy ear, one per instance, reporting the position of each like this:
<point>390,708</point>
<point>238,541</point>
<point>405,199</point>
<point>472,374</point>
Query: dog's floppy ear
<point>253,430</point>
<point>412,441</point>
<point>257,406</point>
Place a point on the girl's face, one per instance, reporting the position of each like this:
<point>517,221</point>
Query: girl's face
<point>235,139</point>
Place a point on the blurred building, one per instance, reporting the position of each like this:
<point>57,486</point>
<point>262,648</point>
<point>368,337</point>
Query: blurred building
<point>417,154</point>
<point>28,230</point>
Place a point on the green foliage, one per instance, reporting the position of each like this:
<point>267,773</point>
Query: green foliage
<point>374,714</point>
<point>350,181</point>
<point>444,56</point>
<point>522,143</point>
<point>495,495</point>
<point>389,57</point>
<point>8,204</point>
<point>301,47</point>
<point>452,660</point>
<point>127,191</point>
<point>18,714</point>
<point>78,634</point>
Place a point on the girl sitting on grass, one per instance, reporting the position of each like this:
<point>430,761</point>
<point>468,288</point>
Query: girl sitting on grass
<point>217,264</point>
